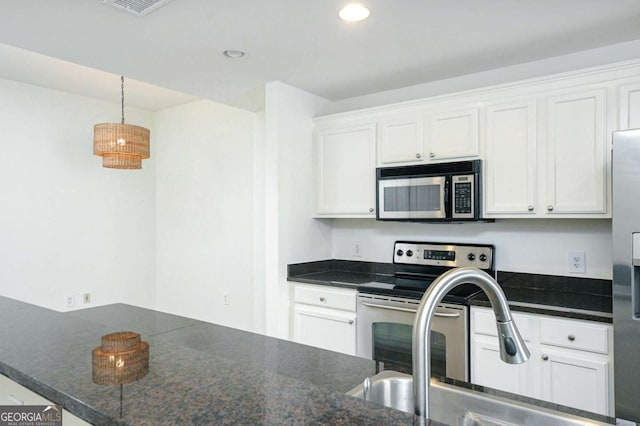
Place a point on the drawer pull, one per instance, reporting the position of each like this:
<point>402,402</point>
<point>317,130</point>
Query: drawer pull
<point>322,299</point>
<point>530,208</point>
<point>350,321</point>
<point>571,337</point>
<point>371,209</point>
<point>418,155</point>
<point>545,357</point>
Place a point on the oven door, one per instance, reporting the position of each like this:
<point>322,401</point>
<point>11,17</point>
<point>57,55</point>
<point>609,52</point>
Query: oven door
<point>385,331</point>
<point>413,198</point>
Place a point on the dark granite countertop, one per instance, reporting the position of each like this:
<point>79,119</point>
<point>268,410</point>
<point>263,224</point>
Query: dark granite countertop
<point>340,273</point>
<point>199,373</point>
<point>571,297</point>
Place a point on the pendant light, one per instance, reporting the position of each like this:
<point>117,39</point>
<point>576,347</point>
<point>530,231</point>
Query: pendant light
<point>121,358</point>
<point>121,146</point>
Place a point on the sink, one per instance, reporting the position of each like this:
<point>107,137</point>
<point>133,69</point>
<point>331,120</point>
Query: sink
<point>455,405</point>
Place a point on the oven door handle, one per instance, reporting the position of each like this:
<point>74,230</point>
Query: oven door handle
<point>328,317</point>
<point>396,308</point>
<point>391,308</point>
<point>442,314</point>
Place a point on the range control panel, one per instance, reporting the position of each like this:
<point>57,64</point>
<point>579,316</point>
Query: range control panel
<point>441,254</point>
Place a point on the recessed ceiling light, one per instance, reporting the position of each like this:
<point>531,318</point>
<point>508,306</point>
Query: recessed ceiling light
<point>234,54</point>
<point>353,12</point>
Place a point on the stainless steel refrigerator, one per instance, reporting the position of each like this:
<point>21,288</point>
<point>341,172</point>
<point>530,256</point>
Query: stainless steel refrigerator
<point>626,272</point>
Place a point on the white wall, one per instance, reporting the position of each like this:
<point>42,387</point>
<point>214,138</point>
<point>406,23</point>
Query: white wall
<point>291,235</point>
<point>575,61</point>
<point>533,246</point>
<point>68,226</point>
<point>204,180</point>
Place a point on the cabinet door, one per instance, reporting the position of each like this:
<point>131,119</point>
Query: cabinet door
<point>576,159</point>
<point>12,393</point>
<point>453,134</point>
<point>325,328</point>
<point>510,164</point>
<point>575,379</point>
<point>346,170</point>
<point>400,140</point>
<point>629,106</point>
<point>487,369</point>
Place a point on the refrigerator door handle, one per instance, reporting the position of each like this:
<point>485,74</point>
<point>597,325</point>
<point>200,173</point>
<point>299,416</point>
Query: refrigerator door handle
<point>635,275</point>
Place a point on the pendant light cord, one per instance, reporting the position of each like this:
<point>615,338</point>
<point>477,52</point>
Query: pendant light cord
<point>122,91</point>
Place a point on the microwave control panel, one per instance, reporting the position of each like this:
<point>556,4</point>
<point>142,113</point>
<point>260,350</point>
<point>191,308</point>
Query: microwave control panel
<point>463,196</point>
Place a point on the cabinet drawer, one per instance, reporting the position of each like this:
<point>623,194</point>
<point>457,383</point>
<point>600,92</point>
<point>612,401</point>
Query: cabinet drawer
<point>484,322</point>
<point>575,334</point>
<point>329,297</point>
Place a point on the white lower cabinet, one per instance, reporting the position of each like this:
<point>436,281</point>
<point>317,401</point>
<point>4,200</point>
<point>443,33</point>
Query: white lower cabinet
<point>325,317</point>
<point>575,379</point>
<point>489,370</point>
<point>12,393</point>
<point>571,360</point>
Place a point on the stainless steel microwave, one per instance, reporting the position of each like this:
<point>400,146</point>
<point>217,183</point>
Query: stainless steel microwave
<point>443,192</point>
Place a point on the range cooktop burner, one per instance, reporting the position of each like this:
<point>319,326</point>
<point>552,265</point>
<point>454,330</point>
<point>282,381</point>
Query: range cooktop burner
<point>419,264</point>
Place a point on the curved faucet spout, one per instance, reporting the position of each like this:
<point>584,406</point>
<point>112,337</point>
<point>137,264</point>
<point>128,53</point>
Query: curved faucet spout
<point>512,347</point>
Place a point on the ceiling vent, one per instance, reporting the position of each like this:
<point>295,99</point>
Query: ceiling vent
<point>137,7</point>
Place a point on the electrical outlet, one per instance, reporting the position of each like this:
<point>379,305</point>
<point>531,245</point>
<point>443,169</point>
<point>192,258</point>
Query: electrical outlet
<point>357,249</point>
<point>69,301</point>
<point>86,298</point>
<point>577,262</point>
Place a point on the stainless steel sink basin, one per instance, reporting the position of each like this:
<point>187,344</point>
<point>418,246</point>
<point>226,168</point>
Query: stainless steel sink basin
<point>458,406</point>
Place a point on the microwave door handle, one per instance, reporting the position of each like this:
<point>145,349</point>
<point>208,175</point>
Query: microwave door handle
<point>447,203</point>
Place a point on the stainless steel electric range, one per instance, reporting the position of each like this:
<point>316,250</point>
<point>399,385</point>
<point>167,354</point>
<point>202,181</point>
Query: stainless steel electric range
<point>386,310</point>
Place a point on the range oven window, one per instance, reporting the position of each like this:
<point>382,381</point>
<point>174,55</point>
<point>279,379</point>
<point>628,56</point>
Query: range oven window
<point>392,344</point>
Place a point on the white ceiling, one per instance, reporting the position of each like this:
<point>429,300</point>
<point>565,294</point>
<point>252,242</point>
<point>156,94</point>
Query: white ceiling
<point>304,44</point>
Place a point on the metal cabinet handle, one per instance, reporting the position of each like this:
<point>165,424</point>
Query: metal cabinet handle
<point>322,299</point>
<point>545,357</point>
<point>432,155</point>
<point>418,155</point>
<point>371,209</point>
<point>530,208</point>
<point>350,321</point>
<point>550,208</point>
<point>571,337</point>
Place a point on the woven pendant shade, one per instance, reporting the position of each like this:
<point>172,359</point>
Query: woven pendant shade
<point>122,358</point>
<point>121,146</point>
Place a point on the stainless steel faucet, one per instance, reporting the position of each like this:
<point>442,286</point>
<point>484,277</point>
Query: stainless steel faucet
<point>512,347</point>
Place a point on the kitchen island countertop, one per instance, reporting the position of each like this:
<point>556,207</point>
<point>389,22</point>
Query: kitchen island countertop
<point>199,373</point>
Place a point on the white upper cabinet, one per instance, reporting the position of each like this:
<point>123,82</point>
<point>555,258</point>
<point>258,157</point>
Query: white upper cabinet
<point>453,134</point>
<point>401,139</point>
<point>545,143</point>
<point>547,156</point>
<point>576,153</point>
<point>510,162</point>
<point>441,135</point>
<point>629,106</point>
<point>346,170</point>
